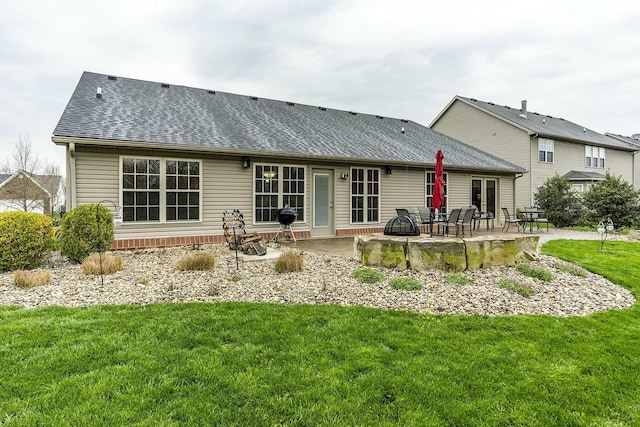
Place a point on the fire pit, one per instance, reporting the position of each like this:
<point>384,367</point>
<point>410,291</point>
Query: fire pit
<point>401,225</point>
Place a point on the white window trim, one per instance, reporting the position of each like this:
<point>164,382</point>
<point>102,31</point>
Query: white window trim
<point>365,195</point>
<point>548,143</point>
<point>163,190</point>
<point>598,156</point>
<point>445,176</point>
<point>299,220</point>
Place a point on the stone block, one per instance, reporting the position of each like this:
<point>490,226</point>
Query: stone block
<point>383,251</point>
<point>489,251</point>
<point>527,248</point>
<point>436,253</point>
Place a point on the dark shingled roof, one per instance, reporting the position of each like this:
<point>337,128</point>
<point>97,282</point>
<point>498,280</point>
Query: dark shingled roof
<point>139,111</point>
<point>583,176</point>
<point>548,126</point>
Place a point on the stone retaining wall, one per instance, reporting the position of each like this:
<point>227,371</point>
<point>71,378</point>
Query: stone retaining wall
<point>448,254</point>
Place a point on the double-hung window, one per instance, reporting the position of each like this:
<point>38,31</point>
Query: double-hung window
<point>594,157</point>
<point>545,150</point>
<point>160,190</point>
<point>430,184</point>
<point>365,195</point>
<point>277,186</point>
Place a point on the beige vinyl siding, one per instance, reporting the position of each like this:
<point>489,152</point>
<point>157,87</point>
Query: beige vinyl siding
<point>488,133</point>
<point>342,191</point>
<point>227,186</point>
<point>458,190</point>
<point>98,179</point>
<point>507,200</point>
<point>403,188</point>
<point>569,156</point>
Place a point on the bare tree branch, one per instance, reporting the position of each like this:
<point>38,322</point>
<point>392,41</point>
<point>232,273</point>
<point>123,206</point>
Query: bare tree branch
<point>32,188</point>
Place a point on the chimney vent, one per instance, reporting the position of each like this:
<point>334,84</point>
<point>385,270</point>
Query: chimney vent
<point>523,111</point>
<point>98,92</point>
<point>402,130</point>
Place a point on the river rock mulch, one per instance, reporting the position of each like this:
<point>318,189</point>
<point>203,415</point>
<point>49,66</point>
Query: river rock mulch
<point>149,276</point>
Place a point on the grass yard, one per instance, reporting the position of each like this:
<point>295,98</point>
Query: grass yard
<point>257,364</point>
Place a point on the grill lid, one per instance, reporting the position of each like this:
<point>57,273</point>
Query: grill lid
<point>286,216</point>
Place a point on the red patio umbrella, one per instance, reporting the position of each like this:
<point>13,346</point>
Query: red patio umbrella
<point>438,187</point>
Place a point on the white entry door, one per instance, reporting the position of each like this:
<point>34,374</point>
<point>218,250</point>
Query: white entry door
<point>322,221</point>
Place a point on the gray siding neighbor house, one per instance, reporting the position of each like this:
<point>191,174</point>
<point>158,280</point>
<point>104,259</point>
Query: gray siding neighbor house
<point>173,159</point>
<point>542,144</point>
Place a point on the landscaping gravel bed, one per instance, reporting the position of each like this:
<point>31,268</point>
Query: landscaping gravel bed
<point>149,276</point>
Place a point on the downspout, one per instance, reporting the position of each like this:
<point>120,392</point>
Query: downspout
<point>535,135</point>
<point>71,176</point>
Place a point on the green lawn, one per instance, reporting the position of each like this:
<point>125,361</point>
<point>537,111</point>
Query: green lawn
<point>258,364</point>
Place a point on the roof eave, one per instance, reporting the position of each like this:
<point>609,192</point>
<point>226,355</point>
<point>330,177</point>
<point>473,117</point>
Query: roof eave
<point>66,140</point>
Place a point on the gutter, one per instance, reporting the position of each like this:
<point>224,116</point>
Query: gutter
<point>139,145</point>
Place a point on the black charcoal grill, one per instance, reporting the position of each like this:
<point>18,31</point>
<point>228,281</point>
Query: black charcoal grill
<point>401,225</point>
<point>286,216</point>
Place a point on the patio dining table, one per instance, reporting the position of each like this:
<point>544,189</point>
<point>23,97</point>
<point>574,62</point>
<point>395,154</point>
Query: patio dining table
<point>531,216</point>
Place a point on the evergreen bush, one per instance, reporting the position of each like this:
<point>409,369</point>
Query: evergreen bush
<point>79,231</point>
<point>25,239</point>
<point>562,205</point>
<point>613,197</point>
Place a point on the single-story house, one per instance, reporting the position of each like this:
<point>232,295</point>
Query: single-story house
<point>542,144</point>
<point>173,159</point>
<point>24,191</point>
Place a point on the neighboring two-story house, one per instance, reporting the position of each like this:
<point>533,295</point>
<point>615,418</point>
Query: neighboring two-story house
<point>634,141</point>
<point>542,144</point>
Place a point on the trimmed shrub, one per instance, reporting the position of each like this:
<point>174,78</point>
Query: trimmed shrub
<point>79,231</point>
<point>289,261</point>
<point>25,239</point>
<point>200,261</point>
<point>27,279</point>
<point>110,264</point>
<point>367,275</point>
<point>405,284</point>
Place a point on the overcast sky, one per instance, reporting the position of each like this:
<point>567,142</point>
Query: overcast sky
<point>579,60</point>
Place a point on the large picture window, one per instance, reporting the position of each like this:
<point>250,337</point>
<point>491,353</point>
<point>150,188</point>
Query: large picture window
<point>430,183</point>
<point>275,187</point>
<point>594,157</point>
<point>545,150</point>
<point>160,190</point>
<point>365,195</point>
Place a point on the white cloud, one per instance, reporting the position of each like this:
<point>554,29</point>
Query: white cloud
<point>407,58</point>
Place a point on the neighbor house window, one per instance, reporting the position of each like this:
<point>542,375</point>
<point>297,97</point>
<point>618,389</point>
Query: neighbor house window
<point>430,183</point>
<point>545,150</point>
<point>578,188</point>
<point>275,187</point>
<point>594,157</point>
<point>160,190</point>
<point>365,195</point>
